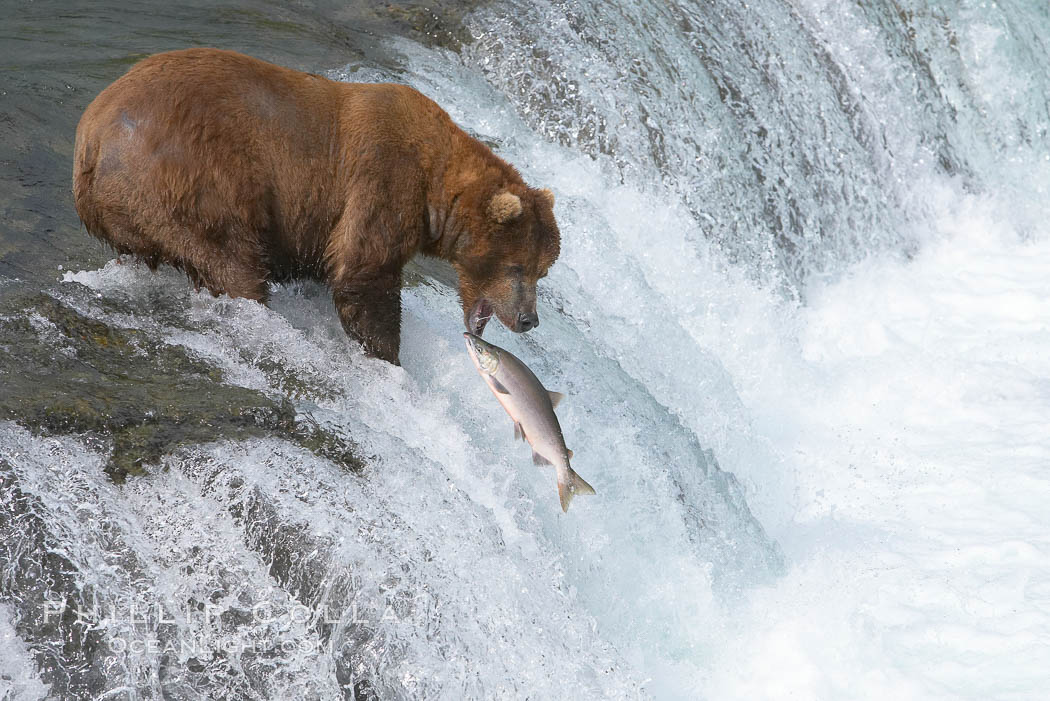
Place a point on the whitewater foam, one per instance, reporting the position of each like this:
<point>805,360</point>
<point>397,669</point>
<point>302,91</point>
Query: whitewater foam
<point>917,434</point>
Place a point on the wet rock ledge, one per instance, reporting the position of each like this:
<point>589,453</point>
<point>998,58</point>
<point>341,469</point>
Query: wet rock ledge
<point>64,373</point>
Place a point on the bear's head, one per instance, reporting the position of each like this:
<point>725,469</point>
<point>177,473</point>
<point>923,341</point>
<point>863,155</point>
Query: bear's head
<point>509,243</point>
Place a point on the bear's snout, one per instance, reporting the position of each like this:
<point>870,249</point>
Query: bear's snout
<point>517,311</point>
<point>527,321</point>
<point>511,300</point>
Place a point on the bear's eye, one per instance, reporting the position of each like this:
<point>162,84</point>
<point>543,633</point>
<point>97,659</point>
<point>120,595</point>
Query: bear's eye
<point>516,269</point>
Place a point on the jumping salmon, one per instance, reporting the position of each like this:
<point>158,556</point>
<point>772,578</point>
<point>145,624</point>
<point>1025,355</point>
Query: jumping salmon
<point>531,407</point>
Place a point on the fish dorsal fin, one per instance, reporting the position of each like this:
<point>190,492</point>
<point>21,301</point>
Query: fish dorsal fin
<point>569,452</point>
<point>497,386</point>
<point>555,397</point>
<point>539,459</point>
<point>519,432</point>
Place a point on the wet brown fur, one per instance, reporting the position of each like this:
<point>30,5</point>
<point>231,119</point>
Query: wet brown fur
<point>241,173</point>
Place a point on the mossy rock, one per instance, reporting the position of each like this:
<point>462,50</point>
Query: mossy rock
<point>65,373</point>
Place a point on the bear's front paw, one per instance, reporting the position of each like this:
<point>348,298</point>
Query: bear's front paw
<point>372,317</point>
<point>382,348</point>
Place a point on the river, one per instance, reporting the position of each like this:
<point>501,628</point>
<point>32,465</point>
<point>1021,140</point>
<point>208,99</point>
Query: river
<point>801,318</point>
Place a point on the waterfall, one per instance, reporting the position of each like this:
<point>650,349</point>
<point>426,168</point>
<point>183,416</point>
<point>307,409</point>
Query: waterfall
<point>738,185</point>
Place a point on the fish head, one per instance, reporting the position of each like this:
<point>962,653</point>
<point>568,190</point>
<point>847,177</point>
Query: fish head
<point>484,354</point>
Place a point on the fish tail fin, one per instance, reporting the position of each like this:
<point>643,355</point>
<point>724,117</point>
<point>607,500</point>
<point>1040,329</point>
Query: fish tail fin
<point>573,485</point>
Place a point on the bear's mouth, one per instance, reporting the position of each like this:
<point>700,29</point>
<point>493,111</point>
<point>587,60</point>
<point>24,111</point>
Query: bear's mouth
<point>479,317</point>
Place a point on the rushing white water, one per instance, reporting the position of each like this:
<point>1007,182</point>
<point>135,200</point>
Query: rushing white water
<point>821,464</point>
<point>19,680</point>
<point>916,424</point>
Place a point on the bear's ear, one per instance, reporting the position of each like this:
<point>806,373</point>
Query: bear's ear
<point>505,207</point>
<point>547,196</point>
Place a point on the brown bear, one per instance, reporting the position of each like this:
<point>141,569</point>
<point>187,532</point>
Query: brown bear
<point>242,173</point>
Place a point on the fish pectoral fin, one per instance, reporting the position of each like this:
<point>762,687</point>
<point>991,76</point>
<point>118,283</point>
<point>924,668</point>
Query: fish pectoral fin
<point>538,459</point>
<point>496,386</point>
<point>519,432</point>
<point>555,397</point>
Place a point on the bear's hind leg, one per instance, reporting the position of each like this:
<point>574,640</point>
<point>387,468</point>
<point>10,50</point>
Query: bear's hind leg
<point>236,271</point>
<point>232,265</point>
